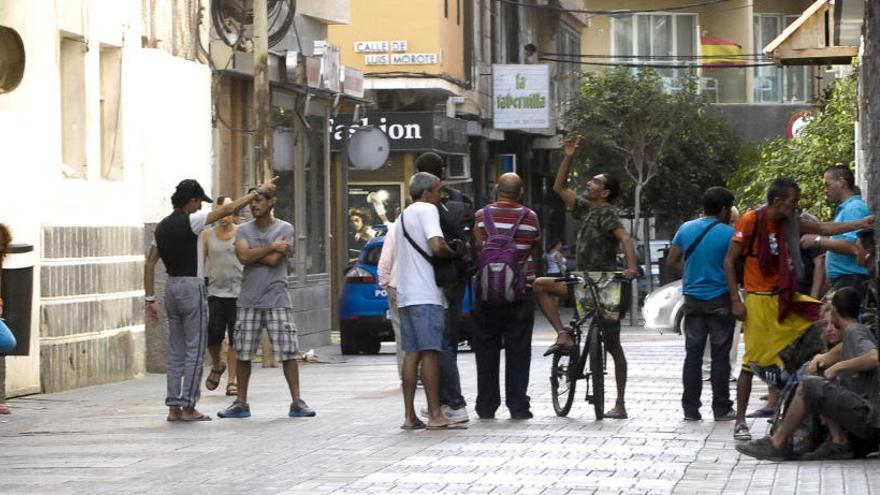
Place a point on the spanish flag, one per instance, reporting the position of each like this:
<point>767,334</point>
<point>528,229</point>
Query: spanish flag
<point>720,52</point>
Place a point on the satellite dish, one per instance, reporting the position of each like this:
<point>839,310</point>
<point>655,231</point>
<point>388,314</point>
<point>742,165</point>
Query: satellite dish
<point>11,59</point>
<point>368,148</point>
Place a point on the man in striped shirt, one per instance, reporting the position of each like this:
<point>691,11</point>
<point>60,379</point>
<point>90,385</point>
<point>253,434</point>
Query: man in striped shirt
<point>507,325</point>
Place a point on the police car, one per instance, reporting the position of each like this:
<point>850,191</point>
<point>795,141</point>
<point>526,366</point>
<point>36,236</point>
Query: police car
<point>364,317</point>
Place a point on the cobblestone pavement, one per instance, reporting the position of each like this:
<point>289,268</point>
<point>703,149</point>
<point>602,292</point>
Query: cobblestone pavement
<point>114,439</point>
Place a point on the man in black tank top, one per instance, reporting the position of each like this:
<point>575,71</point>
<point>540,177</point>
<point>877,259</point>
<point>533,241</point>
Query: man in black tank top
<point>176,244</point>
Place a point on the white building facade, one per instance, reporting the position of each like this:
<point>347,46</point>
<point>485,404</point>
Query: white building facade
<point>106,120</point>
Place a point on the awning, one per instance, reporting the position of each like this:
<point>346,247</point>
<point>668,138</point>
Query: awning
<point>810,40</point>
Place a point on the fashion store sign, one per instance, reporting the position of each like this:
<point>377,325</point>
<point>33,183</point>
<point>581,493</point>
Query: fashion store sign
<point>405,130</point>
<point>521,96</point>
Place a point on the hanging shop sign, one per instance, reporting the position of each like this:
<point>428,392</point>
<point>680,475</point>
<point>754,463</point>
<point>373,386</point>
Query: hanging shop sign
<point>521,96</point>
<point>352,82</point>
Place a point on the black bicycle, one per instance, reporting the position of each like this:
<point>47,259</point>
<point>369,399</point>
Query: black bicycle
<point>595,294</point>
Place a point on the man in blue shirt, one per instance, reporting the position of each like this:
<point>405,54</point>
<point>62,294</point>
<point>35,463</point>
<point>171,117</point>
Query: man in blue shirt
<point>840,262</point>
<point>703,243</point>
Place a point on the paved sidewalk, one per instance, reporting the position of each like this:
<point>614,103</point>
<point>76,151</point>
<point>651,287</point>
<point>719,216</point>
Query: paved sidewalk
<point>114,439</point>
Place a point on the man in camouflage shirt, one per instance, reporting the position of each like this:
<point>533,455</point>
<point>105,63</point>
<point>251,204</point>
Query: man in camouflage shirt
<point>599,238</point>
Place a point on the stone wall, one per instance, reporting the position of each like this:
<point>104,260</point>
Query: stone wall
<point>91,305</point>
<point>156,333</point>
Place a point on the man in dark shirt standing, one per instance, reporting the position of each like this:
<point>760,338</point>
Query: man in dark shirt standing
<point>598,240</point>
<point>177,244</point>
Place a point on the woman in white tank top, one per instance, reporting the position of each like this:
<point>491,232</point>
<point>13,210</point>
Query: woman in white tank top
<point>224,273</point>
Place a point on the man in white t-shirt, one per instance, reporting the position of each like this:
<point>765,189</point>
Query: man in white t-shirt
<point>418,238</point>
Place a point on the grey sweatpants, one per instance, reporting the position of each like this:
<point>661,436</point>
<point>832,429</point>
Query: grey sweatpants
<point>187,309</point>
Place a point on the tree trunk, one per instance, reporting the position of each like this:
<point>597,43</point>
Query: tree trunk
<point>648,259</point>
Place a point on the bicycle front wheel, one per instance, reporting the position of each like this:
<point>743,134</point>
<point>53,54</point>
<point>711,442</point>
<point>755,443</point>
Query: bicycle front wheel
<point>597,370</point>
<point>563,380</point>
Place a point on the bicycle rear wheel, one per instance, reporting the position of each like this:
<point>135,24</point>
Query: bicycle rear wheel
<point>563,380</point>
<point>597,369</point>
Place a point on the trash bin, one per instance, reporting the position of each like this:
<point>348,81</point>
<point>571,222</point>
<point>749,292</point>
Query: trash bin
<point>17,292</point>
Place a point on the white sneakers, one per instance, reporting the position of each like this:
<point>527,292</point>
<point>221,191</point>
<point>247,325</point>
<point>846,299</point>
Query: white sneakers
<point>457,416</point>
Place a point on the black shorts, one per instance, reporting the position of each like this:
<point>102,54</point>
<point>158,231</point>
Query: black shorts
<point>848,409</point>
<point>221,319</point>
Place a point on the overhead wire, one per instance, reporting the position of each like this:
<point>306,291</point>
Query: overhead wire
<point>744,56</point>
<point>608,12</point>
<point>658,66</point>
<point>417,75</point>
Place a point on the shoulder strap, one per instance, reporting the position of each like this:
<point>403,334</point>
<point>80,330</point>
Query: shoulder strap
<point>412,242</point>
<point>489,223</point>
<point>690,249</point>
<point>522,219</point>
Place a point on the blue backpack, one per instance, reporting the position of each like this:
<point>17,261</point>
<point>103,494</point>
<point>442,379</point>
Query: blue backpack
<point>499,276</point>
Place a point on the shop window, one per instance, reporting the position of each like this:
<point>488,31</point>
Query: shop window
<point>73,107</point>
<point>284,155</point>
<point>299,161</point>
<point>111,114</point>
<point>458,167</point>
<point>663,39</point>
<point>316,196</point>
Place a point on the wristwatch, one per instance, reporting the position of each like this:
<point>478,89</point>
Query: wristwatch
<point>149,299</point>
<point>818,241</point>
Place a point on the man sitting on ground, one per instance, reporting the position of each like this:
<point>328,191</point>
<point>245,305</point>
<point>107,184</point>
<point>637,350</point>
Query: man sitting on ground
<point>847,397</point>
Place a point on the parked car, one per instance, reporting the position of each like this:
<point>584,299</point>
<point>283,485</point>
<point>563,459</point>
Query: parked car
<point>664,308</point>
<point>364,317</point>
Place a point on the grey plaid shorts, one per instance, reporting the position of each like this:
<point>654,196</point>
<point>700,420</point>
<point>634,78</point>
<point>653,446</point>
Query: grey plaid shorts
<point>278,325</point>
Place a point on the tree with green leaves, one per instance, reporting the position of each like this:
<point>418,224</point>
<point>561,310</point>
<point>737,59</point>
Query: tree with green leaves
<point>666,148</point>
<point>701,154</point>
<point>627,117</point>
<point>828,139</point>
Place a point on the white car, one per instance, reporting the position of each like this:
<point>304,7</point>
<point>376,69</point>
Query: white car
<point>664,308</point>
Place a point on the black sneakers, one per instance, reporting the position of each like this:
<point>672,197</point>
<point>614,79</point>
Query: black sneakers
<point>730,415</point>
<point>830,451</point>
<point>693,416</point>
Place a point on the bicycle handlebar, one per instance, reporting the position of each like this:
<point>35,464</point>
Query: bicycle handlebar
<point>570,279</point>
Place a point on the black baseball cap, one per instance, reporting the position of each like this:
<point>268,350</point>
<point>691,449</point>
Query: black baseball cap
<point>190,188</point>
